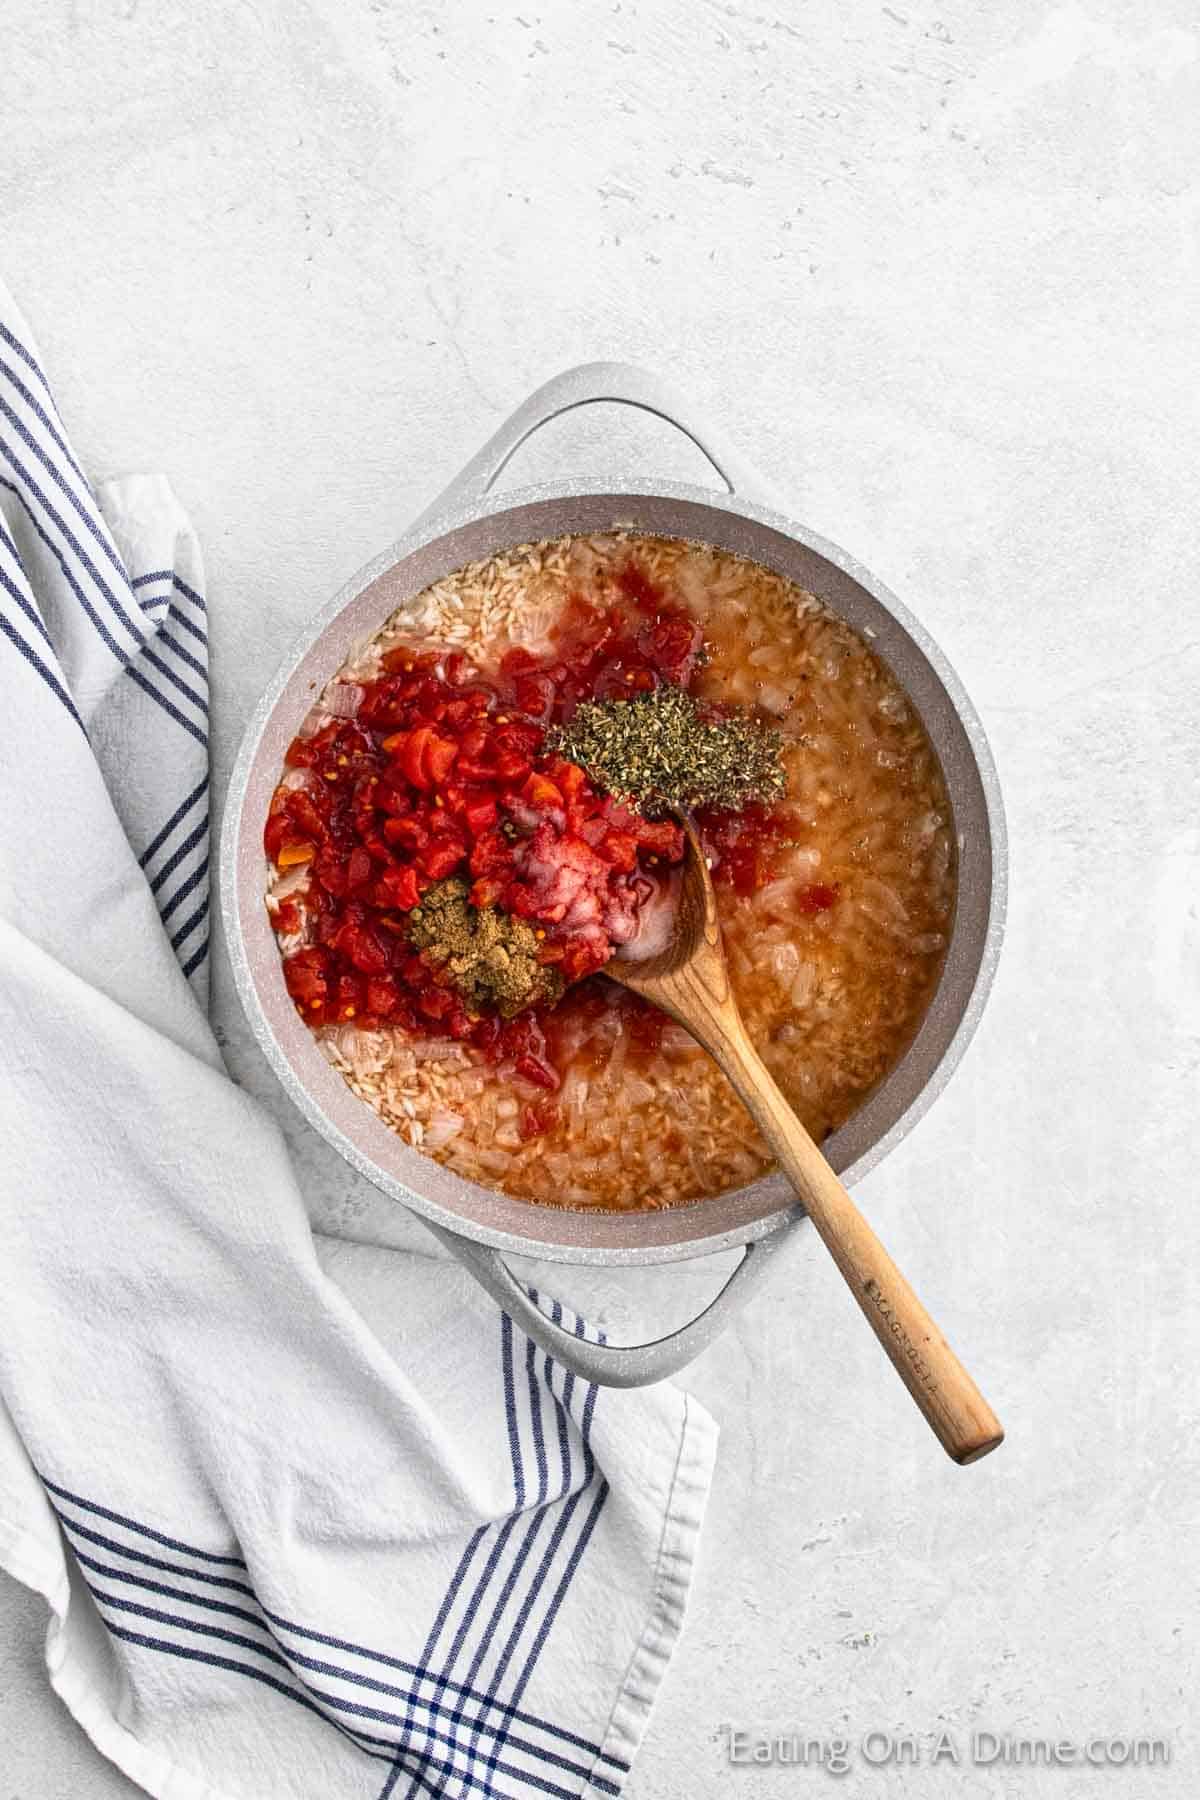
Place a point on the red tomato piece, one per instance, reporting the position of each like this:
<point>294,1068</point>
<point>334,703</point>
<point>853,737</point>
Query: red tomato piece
<point>512,768</point>
<point>307,977</point>
<point>441,857</point>
<point>359,869</point>
<point>633,580</point>
<point>818,898</point>
<point>540,792</point>
<point>398,887</point>
<point>440,755</point>
<point>479,813</point>
<point>409,834</point>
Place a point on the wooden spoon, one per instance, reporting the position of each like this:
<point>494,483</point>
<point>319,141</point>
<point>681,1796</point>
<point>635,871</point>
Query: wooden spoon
<point>689,980</point>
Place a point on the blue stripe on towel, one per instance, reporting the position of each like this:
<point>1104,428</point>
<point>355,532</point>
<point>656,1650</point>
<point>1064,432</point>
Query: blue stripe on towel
<point>324,1697</point>
<point>510,1408</point>
<point>199,701</point>
<point>494,1704</point>
<point>80,504</point>
<point>185,656</point>
<point>190,923</point>
<point>502,1534</point>
<point>181,893</point>
<point>176,819</point>
<point>188,593</point>
<point>47,674</point>
<point>272,1624</point>
<point>193,962</point>
<point>69,577</point>
<point>549,1557</point>
<point>157,577</point>
<point>518,1563</point>
<point>277,1651</point>
<point>13,589</point>
<point>173,861</point>
<point>124,657</point>
<point>181,619</point>
<point>157,1537</point>
<point>32,487</point>
<point>171,710</point>
<point>50,425</point>
<point>295,1661</point>
<point>361,1740</point>
<point>175,580</point>
<point>24,353</point>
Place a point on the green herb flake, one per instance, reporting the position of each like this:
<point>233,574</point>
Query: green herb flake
<point>661,750</point>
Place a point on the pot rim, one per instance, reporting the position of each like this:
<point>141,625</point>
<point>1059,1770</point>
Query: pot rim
<point>695,1228</point>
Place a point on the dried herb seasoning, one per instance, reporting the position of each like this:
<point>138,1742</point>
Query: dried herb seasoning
<point>490,957</point>
<point>663,750</point>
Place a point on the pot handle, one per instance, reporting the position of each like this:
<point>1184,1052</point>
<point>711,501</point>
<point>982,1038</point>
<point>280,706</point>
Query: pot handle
<point>618,1365</point>
<point>589,384</point>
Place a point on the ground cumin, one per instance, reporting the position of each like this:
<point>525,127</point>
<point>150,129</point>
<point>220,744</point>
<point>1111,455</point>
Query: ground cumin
<point>491,957</point>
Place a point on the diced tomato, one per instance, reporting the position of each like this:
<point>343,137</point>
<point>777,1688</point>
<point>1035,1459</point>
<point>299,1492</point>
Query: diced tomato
<point>621,850</point>
<point>459,1023</point>
<point>519,737</point>
<point>511,767</point>
<point>307,977</point>
<point>441,857</point>
<point>288,917</point>
<point>277,829</point>
<point>436,1002</point>
<point>479,812</point>
<point>442,772</point>
<point>409,834</point>
<point>537,1118</point>
<point>487,1033</point>
<point>440,755</point>
<point>304,813</point>
<point>818,898</point>
<point>350,999</point>
<point>569,777</point>
<point>398,887</point>
<point>425,758</point>
<point>486,892</point>
<point>360,944</point>
<point>541,1074</point>
<point>330,870</point>
<point>633,580</point>
<point>492,853</point>
<point>517,660</point>
<point>540,792</point>
<point>383,995</point>
<point>672,646</point>
<point>359,869</point>
<point>534,695</point>
<point>392,796</point>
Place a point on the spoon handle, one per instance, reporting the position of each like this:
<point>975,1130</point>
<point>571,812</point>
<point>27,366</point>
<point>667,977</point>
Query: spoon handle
<point>964,1422</point>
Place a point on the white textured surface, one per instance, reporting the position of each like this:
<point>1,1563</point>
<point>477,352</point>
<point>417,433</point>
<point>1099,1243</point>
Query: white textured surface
<point>935,268</point>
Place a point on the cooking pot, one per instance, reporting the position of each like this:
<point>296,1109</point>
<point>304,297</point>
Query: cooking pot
<point>469,522</point>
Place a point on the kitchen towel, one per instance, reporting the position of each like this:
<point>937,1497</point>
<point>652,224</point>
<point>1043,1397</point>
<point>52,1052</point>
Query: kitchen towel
<point>312,1518</point>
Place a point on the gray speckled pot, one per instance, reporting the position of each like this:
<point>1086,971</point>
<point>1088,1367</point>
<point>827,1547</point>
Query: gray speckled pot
<point>467,523</point>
